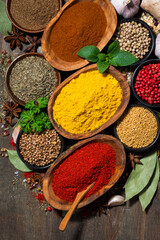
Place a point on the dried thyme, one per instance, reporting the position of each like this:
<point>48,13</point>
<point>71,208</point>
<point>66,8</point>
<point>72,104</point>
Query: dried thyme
<point>31,78</point>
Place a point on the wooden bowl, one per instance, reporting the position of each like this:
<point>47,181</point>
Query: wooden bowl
<point>60,204</point>
<point>9,90</point>
<point>125,99</point>
<point>55,61</point>
<point>8,4</point>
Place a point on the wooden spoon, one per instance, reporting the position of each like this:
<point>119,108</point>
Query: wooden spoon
<point>78,198</point>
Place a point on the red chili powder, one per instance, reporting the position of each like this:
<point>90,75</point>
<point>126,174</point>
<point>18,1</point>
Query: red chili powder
<point>93,162</point>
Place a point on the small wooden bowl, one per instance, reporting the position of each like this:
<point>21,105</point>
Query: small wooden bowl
<point>125,99</point>
<point>60,204</point>
<point>9,90</point>
<point>55,61</point>
<point>8,4</point>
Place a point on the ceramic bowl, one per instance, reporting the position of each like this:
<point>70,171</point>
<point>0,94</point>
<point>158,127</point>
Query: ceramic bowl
<point>150,146</point>
<point>157,106</point>
<point>60,204</point>
<point>35,167</point>
<point>60,64</point>
<point>125,99</point>
<point>11,66</point>
<point>13,21</point>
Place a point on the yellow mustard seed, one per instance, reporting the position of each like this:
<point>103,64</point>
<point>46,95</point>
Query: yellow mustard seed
<point>137,128</point>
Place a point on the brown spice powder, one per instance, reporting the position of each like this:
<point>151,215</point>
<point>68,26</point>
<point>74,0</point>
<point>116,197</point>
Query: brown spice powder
<point>33,15</point>
<point>137,128</point>
<point>82,24</point>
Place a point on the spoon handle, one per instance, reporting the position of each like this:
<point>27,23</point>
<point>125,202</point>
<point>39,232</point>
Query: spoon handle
<point>78,198</point>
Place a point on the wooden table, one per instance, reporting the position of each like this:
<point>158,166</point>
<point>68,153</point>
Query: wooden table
<point>22,219</point>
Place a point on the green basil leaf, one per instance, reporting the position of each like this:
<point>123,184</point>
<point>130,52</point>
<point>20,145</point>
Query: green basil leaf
<point>102,66</point>
<point>124,58</point>
<point>113,49</point>
<point>89,53</point>
<point>147,194</point>
<point>5,24</point>
<point>17,162</point>
<point>102,56</point>
<point>113,62</point>
<point>139,178</point>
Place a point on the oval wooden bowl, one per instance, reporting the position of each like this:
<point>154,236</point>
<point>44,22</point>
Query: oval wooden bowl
<point>55,61</point>
<point>60,204</point>
<point>125,99</point>
<point>7,77</point>
<point>8,4</point>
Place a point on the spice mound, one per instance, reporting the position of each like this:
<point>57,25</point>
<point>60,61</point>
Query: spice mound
<point>147,83</point>
<point>87,102</point>
<point>69,34</point>
<point>134,38</point>
<point>40,149</point>
<point>94,162</point>
<point>33,15</point>
<point>31,78</point>
<point>137,128</point>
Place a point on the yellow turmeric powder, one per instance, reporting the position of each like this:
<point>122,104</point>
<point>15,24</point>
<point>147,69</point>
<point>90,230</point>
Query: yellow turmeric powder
<point>87,102</point>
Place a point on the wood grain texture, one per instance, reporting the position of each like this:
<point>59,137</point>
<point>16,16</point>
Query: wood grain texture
<point>22,219</point>
<point>11,18</point>
<point>8,87</point>
<point>125,99</point>
<point>60,204</point>
<point>53,59</point>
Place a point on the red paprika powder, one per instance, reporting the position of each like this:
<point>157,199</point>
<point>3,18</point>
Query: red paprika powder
<point>94,162</point>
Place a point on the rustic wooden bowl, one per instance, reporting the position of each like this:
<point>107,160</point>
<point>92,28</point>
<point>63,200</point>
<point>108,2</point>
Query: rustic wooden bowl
<point>125,99</point>
<point>55,61</point>
<point>8,4</point>
<point>60,204</point>
<point>9,90</point>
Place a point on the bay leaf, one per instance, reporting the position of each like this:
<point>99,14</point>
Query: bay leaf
<point>147,194</point>
<point>140,177</point>
<point>17,162</point>
<point>5,24</point>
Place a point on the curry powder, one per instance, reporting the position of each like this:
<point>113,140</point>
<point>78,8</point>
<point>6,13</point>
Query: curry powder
<point>87,102</point>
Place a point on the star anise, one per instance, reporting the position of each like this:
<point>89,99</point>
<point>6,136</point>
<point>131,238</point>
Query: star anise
<point>11,109</point>
<point>35,42</point>
<point>16,38</point>
<point>134,159</point>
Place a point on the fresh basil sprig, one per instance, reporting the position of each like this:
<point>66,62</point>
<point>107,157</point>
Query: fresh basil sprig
<point>35,117</point>
<point>114,56</point>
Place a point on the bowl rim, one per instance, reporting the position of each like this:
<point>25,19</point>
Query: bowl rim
<point>47,188</point>
<point>118,113</point>
<point>11,66</point>
<point>151,145</point>
<point>152,35</point>
<point>147,62</point>
<point>35,167</point>
<point>7,7</point>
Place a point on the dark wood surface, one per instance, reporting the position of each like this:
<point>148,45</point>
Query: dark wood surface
<point>22,219</point>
